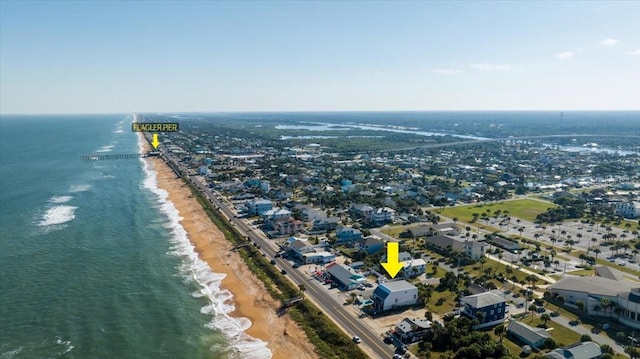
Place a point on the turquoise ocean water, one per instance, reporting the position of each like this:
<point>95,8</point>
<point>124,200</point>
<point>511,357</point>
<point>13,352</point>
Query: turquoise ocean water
<point>93,261</point>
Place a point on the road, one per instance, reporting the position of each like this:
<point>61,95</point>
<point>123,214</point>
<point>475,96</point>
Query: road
<point>371,342</point>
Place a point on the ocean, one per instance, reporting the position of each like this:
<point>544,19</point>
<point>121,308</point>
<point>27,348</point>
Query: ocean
<point>93,260</point>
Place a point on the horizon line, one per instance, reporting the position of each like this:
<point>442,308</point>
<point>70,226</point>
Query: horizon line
<point>309,111</point>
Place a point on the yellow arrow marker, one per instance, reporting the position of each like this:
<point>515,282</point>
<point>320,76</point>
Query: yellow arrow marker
<point>392,266</point>
<point>155,141</point>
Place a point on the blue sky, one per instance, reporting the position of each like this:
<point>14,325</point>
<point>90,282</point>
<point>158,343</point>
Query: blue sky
<point>122,56</point>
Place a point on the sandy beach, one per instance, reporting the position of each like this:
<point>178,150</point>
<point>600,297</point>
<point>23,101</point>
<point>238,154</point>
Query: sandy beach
<point>250,298</point>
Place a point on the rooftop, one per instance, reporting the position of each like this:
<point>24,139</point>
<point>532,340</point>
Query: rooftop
<point>483,299</point>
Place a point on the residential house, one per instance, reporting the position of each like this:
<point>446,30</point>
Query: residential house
<point>383,215</point>
<point>287,226</point>
<point>300,247</point>
<point>259,206</point>
<point>324,224</point>
<point>488,308</point>
<point>347,234</point>
<point>413,267</point>
<point>273,215</point>
<point>363,211</point>
<point>392,295</point>
<point>412,330</point>
<point>526,334</point>
<point>584,350</point>
<point>370,244</point>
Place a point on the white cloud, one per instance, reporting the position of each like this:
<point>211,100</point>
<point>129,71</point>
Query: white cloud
<point>491,67</point>
<point>636,52</point>
<point>609,42</point>
<point>446,71</point>
<point>565,55</point>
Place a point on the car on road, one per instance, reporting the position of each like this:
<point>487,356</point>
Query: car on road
<point>283,271</point>
<point>356,339</point>
<point>273,261</point>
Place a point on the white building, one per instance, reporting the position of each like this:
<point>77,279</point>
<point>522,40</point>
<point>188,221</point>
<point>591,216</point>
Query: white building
<point>391,295</point>
<point>628,209</point>
<point>607,286</point>
<point>259,206</point>
<point>383,215</point>
<point>323,257</point>
<point>473,249</point>
<point>414,267</point>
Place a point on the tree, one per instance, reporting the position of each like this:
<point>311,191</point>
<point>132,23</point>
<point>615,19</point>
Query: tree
<point>550,343</point>
<point>500,331</point>
<point>605,303</point>
<point>482,260</point>
<point>585,338</point>
<point>633,352</point>
<point>597,251</point>
<point>302,289</point>
<point>580,305</point>
<point>545,318</point>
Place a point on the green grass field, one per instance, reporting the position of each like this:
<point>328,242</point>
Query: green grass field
<point>526,209</point>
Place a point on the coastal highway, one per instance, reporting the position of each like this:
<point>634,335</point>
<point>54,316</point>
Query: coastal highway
<point>371,342</point>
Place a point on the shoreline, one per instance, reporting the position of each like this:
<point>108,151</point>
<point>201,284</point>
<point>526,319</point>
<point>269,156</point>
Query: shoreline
<point>249,297</point>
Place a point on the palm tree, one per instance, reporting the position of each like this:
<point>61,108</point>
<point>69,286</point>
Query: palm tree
<point>605,303</point>
<point>545,318</point>
<point>302,289</point>
<point>597,251</point>
<point>500,331</point>
<point>483,260</point>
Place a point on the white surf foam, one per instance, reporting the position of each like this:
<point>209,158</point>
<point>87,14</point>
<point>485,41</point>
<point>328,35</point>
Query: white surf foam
<point>60,199</point>
<point>58,215</point>
<point>195,270</point>
<point>66,345</point>
<point>106,148</point>
<point>79,188</point>
<point>10,354</point>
